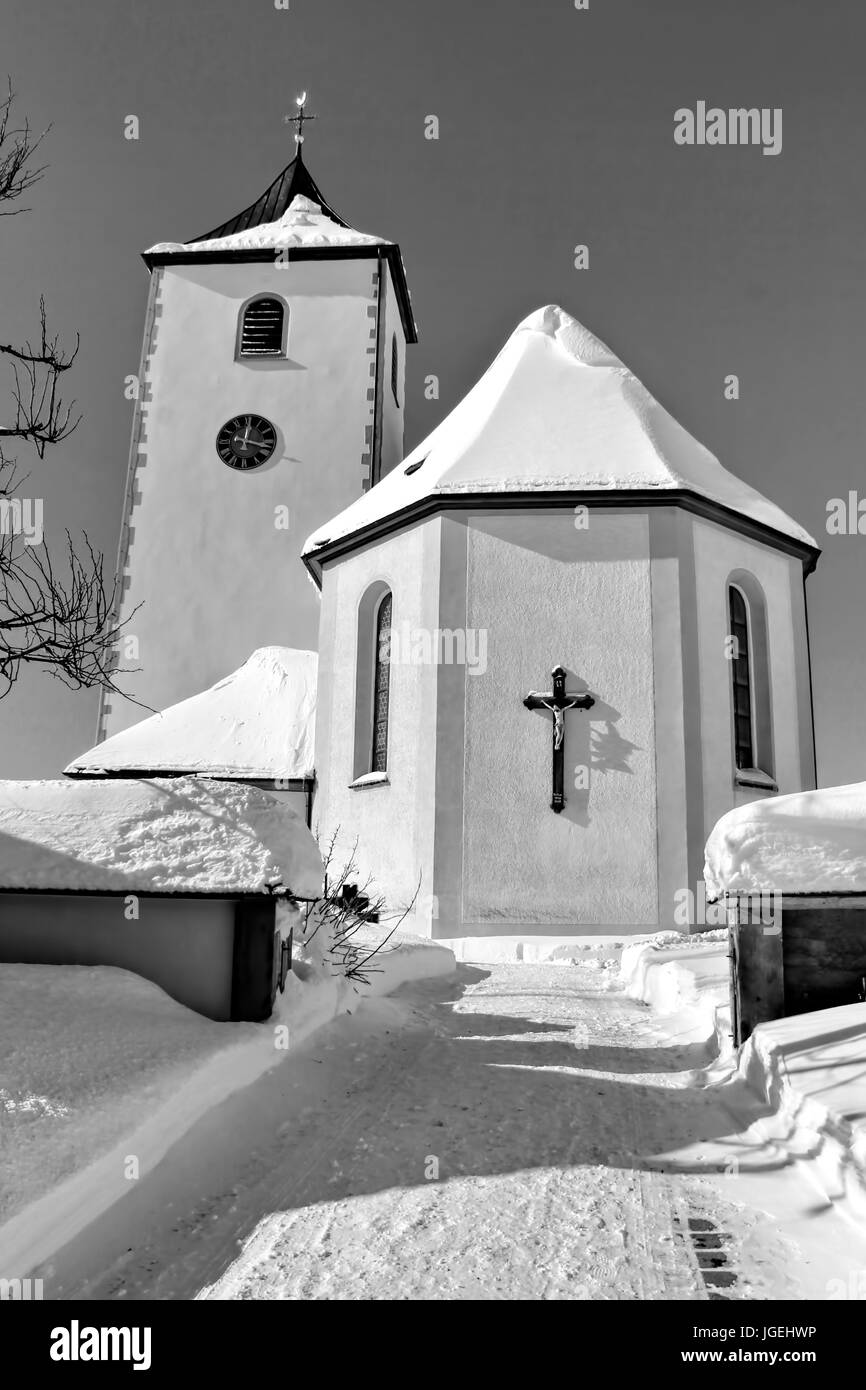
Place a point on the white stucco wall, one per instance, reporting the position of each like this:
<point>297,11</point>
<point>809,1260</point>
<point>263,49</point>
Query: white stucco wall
<point>215,577</point>
<point>635,608</point>
<point>718,552</point>
<point>547,593</point>
<point>184,945</point>
<point>392,822</point>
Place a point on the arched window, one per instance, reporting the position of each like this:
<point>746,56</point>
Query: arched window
<point>262,330</point>
<point>744,717</point>
<point>750,681</point>
<point>395,368</point>
<point>373,682</point>
<point>381,685</point>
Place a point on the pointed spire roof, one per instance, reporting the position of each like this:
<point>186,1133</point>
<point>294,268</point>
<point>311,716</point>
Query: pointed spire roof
<point>555,413</point>
<point>292,217</point>
<point>292,182</point>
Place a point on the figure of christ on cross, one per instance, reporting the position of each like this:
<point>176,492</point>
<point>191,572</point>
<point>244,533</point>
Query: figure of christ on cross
<point>558,701</point>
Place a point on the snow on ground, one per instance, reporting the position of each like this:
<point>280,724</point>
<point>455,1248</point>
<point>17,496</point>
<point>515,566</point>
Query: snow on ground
<point>521,1131</point>
<point>807,842</point>
<point>260,721</point>
<point>302,224</point>
<point>809,1068</point>
<point>89,1054</point>
<point>556,410</point>
<point>99,1064</point>
<point>812,1070</point>
<point>556,1113</point>
<point>675,972</point>
<point>163,835</point>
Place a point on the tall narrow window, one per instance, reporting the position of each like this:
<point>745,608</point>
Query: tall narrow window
<point>262,328</point>
<point>741,675</point>
<point>395,365</point>
<point>381,686</point>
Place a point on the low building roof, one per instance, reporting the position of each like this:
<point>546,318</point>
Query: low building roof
<point>803,843</point>
<point>186,835</point>
<point>258,723</point>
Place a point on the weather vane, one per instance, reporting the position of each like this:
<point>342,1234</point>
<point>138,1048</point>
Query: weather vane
<point>299,118</point>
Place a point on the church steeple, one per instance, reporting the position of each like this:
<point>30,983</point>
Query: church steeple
<point>292,182</point>
<point>271,397</point>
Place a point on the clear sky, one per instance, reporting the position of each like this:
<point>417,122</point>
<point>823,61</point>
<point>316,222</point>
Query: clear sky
<point>556,128</point>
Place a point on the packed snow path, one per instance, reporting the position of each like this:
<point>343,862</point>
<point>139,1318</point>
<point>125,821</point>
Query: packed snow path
<point>548,1102</point>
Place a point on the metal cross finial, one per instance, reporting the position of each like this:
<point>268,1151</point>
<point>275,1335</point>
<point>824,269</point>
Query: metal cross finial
<point>299,118</point>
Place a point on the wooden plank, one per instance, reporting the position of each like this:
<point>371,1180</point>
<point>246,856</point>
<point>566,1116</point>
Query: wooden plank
<point>758,990</point>
<point>253,960</point>
<point>825,956</point>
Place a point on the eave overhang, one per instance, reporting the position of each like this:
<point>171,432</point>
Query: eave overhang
<point>388,251</point>
<point>535,501</point>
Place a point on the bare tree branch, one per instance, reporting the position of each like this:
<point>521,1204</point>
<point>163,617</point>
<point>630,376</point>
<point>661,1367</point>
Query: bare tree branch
<point>344,910</point>
<point>62,615</point>
<point>18,145</point>
<point>60,618</point>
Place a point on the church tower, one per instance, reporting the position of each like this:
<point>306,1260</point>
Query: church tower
<point>270,397</point>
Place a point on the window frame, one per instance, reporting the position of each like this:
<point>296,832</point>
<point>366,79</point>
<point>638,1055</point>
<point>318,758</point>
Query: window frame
<point>395,369</point>
<point>367,666</point>
<point>378,665</point>
<point>754,749</point>
<point>247,357</point>
<point>761,773</point>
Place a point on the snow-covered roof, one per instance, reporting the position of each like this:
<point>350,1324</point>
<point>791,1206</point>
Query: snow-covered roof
<point>259,722</point>
<point>806,842</point>
<point>555,411</point>
<point>166,835</point>
<point>303,224</point>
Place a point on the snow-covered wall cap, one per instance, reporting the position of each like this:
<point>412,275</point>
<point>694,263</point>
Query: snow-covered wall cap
<point>303,224</point>
<point>806,842</point>
<point>165,835</point>
<point>259,722</point>
<point>555,411</point>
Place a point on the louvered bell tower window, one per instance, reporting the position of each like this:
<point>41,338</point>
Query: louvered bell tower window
<point>744,744</point>
<point>381,688</point>
<point>262,329</point>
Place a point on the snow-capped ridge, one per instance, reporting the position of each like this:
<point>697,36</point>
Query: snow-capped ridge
<point>575,339</point>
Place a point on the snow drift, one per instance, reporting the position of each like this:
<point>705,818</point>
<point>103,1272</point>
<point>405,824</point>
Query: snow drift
<point>167,835</point>
<point>807,842</point>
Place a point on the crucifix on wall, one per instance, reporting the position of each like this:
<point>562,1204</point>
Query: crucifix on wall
<point>558,701</point>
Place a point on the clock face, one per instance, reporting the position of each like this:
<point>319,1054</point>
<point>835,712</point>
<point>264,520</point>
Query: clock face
<point>247,441</point>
